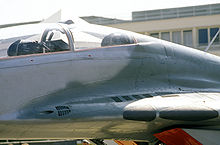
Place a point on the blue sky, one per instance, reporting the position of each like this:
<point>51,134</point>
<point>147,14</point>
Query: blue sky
<point>14,11</point>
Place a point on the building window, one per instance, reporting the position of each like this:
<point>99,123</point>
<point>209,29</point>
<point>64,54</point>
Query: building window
<point>156,35</point>
<point>187,38</point>
<point>165,36</point>
<point>213,31</point>
<point>176,37</point>
<point>203,36</point>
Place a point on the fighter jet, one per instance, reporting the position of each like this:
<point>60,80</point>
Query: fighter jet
<point>79,80</point>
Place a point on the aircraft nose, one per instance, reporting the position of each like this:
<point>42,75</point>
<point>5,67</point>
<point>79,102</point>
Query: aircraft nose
<point>139,112</point>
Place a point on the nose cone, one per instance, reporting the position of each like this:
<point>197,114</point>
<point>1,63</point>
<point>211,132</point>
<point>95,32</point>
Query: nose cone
<point>139,112</point>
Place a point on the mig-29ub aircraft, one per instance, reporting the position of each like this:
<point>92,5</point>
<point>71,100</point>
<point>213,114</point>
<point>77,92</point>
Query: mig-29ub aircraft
<point>73,81</point>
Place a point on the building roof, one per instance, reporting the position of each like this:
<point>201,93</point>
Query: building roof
<point>102,20</point>
<point>169,13</point>
<point>201,10</point>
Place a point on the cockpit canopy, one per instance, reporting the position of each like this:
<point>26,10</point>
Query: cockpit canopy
<point>48,38</point>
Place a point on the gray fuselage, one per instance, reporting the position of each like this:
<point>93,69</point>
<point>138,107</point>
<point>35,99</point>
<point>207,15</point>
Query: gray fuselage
<point>74,94</point>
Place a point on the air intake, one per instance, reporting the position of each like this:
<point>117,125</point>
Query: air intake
<point>63,110</point>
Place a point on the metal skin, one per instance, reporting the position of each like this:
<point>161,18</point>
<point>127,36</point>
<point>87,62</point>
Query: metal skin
<point>70,94</point>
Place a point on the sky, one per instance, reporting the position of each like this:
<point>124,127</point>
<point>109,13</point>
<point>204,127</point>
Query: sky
<point>15,11</point>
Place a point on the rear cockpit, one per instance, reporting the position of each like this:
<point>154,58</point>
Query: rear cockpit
<point>53,39</point>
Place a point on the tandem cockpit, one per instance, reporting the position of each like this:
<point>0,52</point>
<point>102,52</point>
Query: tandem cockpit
<point>59,37</point>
